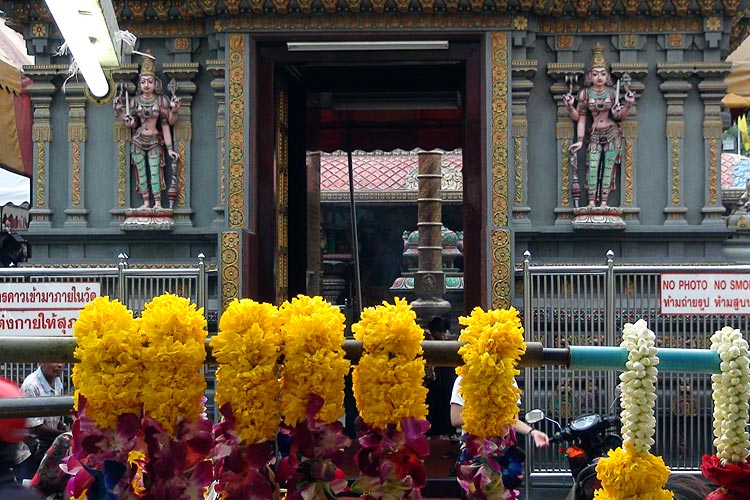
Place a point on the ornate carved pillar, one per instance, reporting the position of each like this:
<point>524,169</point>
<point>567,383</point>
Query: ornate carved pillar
<point>521,87</point>
<point>675,89</point>
<point>183,72</point>
<point>123,76</point>
<point>629,125</point>
<point>569,77</point>
<point>41,92</point>
<point>712,89</point>
<point>216,67</point>
<point>76,212</point>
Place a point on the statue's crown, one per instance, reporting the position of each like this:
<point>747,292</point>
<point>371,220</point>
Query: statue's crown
<point>597,57</point>
<point>148,68</point>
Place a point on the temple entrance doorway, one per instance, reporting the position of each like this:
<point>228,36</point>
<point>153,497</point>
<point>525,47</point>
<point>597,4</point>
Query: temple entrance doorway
<point>382,106</point>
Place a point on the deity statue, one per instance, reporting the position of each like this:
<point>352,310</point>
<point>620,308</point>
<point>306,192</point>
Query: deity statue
<point>151,114</point>
<point>600,100</point>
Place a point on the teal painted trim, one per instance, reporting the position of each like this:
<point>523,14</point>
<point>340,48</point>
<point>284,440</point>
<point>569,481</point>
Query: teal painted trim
<point>597,358</point>
<point>670,360</point>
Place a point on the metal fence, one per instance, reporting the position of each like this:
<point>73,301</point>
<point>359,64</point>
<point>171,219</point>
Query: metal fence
<point>589,305</point>
<point>133,286</point>
<point>562,305</point>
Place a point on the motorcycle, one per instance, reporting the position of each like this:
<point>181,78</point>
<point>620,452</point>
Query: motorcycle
<point>586,438</point>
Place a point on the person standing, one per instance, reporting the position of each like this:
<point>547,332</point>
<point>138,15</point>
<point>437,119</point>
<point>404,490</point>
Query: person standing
<point>12,434</point>
<point>45,381</point>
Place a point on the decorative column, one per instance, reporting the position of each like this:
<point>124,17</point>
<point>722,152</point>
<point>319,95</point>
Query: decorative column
<point>569,78</point>
<point>675,89</point>
<point>636,72</point>
<point>41,92</point>
<point>124,76</point>
<point>76,212</point>
<point>182,72</point>
<point>712,89</point>
<point>521,87</point>
<point>216,67</point>
<point>429,280</point>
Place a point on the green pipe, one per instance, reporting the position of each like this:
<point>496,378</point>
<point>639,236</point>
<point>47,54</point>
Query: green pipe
<point>670,359</point>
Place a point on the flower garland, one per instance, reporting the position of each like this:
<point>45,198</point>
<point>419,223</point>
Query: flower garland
<point>632,471</point>
<point>312,397</point>
<point>247,350</point>
<point>729,467</point>
<point>108,400</point>
<point>493,346</point>
<point>176,430</point>
<point>390,397</point>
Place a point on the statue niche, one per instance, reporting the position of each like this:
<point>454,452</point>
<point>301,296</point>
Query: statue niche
<point>150,116</point>
<point>599,108</point>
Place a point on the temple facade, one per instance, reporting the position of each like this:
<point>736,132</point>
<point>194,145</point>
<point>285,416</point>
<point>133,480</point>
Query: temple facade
<point>257,101</point>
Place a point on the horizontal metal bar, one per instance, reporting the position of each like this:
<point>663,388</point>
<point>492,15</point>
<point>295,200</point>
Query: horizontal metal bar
<point>46,406</point>
<point>436,352</point>
<point>670,359</point>
<point>34,272</point>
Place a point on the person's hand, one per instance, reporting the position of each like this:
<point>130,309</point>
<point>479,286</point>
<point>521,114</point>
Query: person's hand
<point>174,104</point>
<point>128,120</point>
<point>630,97</point>
<point>568,99</point>
<point>575,146</point>
<point>173,154</point>
<point>541,440</point>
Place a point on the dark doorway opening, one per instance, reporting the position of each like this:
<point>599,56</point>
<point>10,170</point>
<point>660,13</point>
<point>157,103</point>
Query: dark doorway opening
<point>345,101</point>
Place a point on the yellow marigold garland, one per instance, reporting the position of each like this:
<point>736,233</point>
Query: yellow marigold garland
<point>387,381</point>
<point>313,336</point>
<point>176,333</point>
<point>632,471</point>
<point>247,349</point>
<point>109,372</point>
<point>494,345</point>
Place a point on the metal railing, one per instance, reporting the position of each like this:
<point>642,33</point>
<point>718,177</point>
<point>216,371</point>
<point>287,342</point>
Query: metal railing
<point>589,305</point>
<point>133,286</point>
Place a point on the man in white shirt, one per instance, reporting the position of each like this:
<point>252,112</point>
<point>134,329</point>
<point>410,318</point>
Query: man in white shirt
<point>457,403</point>
<point>45,381</point>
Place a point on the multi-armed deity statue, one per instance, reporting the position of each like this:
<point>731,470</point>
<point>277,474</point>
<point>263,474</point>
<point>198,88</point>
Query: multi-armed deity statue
<point>598,107</point>
<point>151,115</point>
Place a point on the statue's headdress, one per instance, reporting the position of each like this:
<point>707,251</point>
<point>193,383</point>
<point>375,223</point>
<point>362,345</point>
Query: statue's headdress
<point>148,68</point>
<point>597,57</point>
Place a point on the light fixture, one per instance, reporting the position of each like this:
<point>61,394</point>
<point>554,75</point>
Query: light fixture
<point>88,27</point>
<point>367,46</point>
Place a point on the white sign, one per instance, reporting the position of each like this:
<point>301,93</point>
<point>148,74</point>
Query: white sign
<point>705,293</point>
<point>43,309</point>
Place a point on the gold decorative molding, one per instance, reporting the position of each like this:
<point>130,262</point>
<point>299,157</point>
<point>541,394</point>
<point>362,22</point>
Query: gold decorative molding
<point>675,130</point>
<point>40,174</point>
<point>181,182</point>
<point>237,103</point>
<point>282,196</point>
<point>500,265</point>
<point>499,124</point>
<point>675,181</point>
<point>501,269</point>
<point>565,172</point>
<point>628,171</point>
<point>230,267</point>
<point>713,171</point>
<point>75,170</point>
<point>518,168</point>
<point>122,172</point>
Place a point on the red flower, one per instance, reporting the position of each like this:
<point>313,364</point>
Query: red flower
<point>734,479</point>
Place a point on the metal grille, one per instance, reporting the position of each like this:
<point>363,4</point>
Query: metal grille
<point>589,305</point>
<point>134,287</point>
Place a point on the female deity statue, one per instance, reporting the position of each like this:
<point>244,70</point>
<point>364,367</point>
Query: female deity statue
<point>605,139</point>
<point>151,115</point>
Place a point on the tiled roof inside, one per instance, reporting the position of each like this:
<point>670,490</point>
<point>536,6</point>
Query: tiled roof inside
<point>378,170</point>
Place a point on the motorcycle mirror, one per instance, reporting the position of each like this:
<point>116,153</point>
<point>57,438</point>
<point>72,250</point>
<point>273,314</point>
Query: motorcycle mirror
<point>534,416</point>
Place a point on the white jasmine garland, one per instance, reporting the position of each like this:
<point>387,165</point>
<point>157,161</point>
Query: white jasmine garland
<point>638,386</point>
<point>731,392</point>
